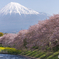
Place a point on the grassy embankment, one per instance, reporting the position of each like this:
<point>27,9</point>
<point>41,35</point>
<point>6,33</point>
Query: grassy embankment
<point>36,53</point>
<point>41,54</point>
<point>8,50</point>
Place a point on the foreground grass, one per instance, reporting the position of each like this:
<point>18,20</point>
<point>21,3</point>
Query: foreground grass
<point>36,53</point>
<point>41,55</point>
<point>9,50</point>
<point>1,48</point>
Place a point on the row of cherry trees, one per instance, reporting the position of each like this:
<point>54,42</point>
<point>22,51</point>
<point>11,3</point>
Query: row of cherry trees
<point>43,35</point>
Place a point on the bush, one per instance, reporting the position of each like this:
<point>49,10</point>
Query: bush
<point>35,47</point>
<point>1,34</point>
<point>48,48</point>
<point>1,45</point>
<point>56,48</point>
<point>12,50</point>
<point>25,43</point>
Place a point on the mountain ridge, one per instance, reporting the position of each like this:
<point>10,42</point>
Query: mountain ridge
<point>13,20</point>
<point>14,7</point>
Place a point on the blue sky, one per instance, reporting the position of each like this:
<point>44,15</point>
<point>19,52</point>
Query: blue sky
<point>48,6</point>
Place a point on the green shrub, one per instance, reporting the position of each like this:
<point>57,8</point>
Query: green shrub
<point>55,57</point>
<point>12,50</point>
<point>24,53</point>
<point>1,34</point>
<point>56,48</point>
<point>1,45</point>
<point>40,54</point>
<point>54,54</point>
<point>25,43</point>
<point>30,54</point>
<point>48,48</point>
<point>35,47</point>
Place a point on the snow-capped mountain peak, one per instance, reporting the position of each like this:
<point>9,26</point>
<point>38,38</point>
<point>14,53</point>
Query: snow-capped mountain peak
<point>14,7</point>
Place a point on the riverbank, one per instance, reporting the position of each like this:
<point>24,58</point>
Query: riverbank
<point>41,55</point>
<point>15,56</point>
<point>35,54</point>
<point>13,51</point>
<point>29,57</point>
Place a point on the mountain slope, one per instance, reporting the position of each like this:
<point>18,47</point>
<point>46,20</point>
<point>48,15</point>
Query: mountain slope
<point>16,8</point>
<point>14,17</point>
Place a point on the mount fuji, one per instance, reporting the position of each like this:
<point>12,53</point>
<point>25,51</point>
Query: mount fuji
<point>15,17</point>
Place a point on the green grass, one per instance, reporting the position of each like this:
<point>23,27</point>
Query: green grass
<point>25,52</point>
<point>35,53</point>
<point>9,50</point>
<point>1,45</point>
<point>1,48</point>
<point>29,54</point>
<point>45,56</point>
<point>41,54</point>
<point>53,55</point>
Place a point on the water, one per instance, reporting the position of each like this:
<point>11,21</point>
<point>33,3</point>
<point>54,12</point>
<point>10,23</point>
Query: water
<point>8,56</point>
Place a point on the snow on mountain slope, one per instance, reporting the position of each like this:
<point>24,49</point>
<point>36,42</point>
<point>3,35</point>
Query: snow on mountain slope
<point>14,17</point>
<point>14,7</point>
